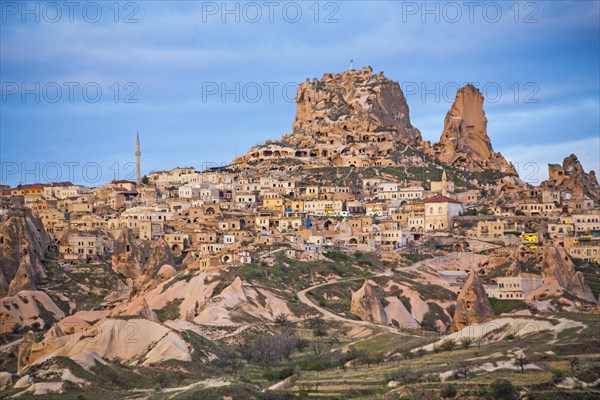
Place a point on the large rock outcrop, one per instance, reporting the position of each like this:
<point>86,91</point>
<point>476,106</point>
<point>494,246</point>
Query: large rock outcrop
<point>128,258</point>
<point>464,142</point>
<point>23,242</point>
<point>558,270</point>
<point>570,176</point>
<point>27,308</point>
<point>355,101</point>
<point>472,305</point>
<point>366,304</point>
<point>354,118</point>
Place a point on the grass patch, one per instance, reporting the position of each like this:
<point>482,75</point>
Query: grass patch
<point>170,311</point>
<point>504,306</point>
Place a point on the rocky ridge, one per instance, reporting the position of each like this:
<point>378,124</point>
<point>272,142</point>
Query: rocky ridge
<point>571,176</point>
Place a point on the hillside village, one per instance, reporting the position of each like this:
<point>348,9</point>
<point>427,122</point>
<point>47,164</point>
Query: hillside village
<point>351,220</point>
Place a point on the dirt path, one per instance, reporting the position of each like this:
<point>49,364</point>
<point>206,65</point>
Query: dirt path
<point>334,317</point>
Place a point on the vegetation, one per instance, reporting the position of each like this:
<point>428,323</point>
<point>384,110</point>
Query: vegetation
<point>501,306</point>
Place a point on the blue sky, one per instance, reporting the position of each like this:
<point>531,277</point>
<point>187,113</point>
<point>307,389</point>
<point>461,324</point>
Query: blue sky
<point>536,62</point>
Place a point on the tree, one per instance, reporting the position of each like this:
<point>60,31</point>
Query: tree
<point>463,370</point>
<point>448,345</point>
<point>407,354</point>
<point>574,363</point>
<point>281,319</point>
<point>521,362</point>
<point>448,392</point>
<point>267,349</point>
<point>322,344</point>
<point>465,342</point>
<point>503,389</point>
<point>317,325</point>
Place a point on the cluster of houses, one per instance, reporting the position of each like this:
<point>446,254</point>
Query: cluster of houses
<point>214,215</point>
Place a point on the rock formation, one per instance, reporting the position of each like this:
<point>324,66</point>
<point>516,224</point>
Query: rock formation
<point>27,308</point>
<point>165,273</point>
<point>23,242</point>
<point>25,349</point>
<point>127,257</point>
<point>148,312</point>
<point>354,118</point>
<point>366,304</point>
<point>464,142</point>
<point>571,176</point>
<point>558,269</point>
<point>472,304</point>
<point>353,101</point>
<point>160,254</point>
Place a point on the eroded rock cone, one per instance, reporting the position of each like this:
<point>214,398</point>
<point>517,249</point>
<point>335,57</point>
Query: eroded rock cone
<point>23,242</point>
<point>127,257</point>
<point>472,305</point>
<point>366,304</point>
<point>160,254</point>
<point>464,142</point>
<point>557,268</point>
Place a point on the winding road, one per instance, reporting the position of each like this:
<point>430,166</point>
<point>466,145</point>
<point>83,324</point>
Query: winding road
<point>334,317</point>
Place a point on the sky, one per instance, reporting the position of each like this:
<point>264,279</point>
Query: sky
<point>204,81</point>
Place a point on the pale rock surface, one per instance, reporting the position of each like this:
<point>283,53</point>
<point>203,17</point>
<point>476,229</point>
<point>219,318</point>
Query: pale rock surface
<point>5,380</point>
<point>25,308</point>
<point>366,304</point>
<point>558,274</point>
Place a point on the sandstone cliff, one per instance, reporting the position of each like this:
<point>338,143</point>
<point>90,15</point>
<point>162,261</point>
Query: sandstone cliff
<point>571,176</point>
<point>23,242</point>
<point>472,304</point>
<point>464,142</point>
<point>366,304</point>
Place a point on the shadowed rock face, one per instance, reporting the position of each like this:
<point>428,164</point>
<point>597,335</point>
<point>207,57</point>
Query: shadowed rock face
<point>127,258</point>
<point>571,176</point>
<point>472,304</point>
<point>366,304</point>
<point>160,254</point>
<point>23,242</point>
<point>464,142</point>
<point>558,269</point>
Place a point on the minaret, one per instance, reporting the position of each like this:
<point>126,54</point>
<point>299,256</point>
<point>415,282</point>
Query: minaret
<point>138,153</point>
<point>444,184</point>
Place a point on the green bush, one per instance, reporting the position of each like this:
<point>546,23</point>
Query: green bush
<point>503,389</point>
<point>448,392</point>
<point>448,345</point>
